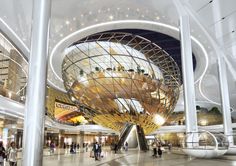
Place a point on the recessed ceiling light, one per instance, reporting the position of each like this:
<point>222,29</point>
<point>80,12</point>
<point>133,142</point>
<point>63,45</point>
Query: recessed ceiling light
<point>67,22</point>
<point>111,17</point>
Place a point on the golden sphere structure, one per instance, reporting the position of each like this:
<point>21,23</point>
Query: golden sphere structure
<point>118,78</point>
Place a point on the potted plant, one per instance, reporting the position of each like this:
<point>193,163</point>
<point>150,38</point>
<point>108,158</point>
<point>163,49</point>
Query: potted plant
<point>131,70</point>
<point>97,69</point>
<point>138,69</point>
<point>81,72</point>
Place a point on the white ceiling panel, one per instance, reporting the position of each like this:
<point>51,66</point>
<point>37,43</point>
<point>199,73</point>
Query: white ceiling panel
<point>232,51</point>
<point>226,26</point>
<point>213,12</point>
<point>197,5</point>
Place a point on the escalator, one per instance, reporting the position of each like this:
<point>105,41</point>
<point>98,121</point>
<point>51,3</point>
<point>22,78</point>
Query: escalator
<point>124,134</point>
<point>141,139</point>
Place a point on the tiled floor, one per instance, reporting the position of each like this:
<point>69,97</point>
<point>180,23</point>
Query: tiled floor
<point>131,158</point>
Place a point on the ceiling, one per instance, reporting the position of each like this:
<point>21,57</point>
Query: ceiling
<point>213,24</point>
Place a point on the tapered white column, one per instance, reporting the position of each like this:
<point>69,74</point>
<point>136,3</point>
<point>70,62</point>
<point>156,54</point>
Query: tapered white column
<point>188,75</point>
<point>224,93</point>
<point>35,98</point>
<point>81,142</point>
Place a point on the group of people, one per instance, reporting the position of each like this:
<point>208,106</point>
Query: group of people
<point>10,154</point>
<point>115,147</point>
<point>73,147</point>
<point>157,149</point>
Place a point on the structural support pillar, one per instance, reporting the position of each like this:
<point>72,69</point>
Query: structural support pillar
<point>224,93</point>
<point>81,142</point>
<point>35,97</point>
<point>188,76</point>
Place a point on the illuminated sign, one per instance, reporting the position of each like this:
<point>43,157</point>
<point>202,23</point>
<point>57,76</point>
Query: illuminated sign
<point>62,110</point>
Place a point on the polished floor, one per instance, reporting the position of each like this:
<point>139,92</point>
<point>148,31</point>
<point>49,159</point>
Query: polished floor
<point>130,158</point>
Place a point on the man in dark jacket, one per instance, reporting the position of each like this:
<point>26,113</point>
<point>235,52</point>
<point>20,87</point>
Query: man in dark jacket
<point>96,150</point>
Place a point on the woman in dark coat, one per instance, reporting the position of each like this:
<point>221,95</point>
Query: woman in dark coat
<point>159,151</point>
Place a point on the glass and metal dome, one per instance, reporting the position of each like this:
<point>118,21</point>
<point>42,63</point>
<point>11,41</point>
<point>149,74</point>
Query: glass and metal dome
<point>120,78</point>
<point>205,144</point>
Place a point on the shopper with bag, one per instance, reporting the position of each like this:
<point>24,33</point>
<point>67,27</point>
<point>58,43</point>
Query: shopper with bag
<point>96,150</point>
<point>12,154</point>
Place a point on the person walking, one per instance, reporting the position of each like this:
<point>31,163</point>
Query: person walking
<point>126,146</point>
<point>52,147</point>
<point>115,147</point>
<point>72,148</point>
<point>169,146</point>
<point>159,151</point>
<point>99,151</point>
<point>154,147</point>
<point>12,154</point>
<point>86,147</point>
<point>2,154</point>
<point>96,149</point>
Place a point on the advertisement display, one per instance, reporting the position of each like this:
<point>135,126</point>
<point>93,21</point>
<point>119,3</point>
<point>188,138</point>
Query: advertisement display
<point>62,110</point>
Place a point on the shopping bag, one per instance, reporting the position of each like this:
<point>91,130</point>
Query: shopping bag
<point>91,154</point>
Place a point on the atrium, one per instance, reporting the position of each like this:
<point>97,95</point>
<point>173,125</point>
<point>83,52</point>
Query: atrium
<point>105,82</point>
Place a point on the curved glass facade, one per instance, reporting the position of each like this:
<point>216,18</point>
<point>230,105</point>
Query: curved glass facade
<point>13,71</point>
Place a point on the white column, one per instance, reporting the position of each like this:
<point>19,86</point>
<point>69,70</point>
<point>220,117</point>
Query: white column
<point>188,75</point>
<point>35,98</point>
<point>81,142</point>
<point>224,93</point>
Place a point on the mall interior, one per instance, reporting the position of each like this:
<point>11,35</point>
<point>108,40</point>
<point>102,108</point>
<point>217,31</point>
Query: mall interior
<point>107,82</point>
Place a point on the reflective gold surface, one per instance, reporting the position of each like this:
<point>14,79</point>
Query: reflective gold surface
<point>101,94</point>
<point>121,82</point>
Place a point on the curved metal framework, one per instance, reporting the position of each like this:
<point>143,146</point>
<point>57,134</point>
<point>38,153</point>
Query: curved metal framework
<point>13,71</point>
<point>205,144</point>
<point>119,78</point>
